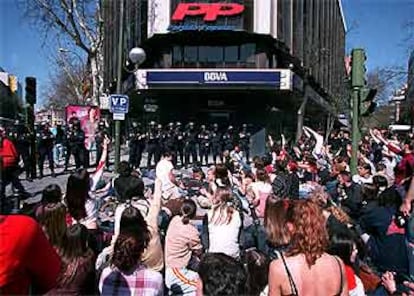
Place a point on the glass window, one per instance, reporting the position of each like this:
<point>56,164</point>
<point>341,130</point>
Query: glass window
<point>190,56</point>
<point>247,55</point>
<point>177,57</point>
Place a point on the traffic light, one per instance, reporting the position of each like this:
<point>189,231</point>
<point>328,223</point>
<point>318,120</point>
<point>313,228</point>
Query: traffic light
<point>366,101</point>
<point>358,67</point>
<point>31,90</point>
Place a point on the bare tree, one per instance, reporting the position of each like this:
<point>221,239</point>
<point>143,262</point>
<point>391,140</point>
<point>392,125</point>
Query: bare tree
<point>79,24</point>
<point>67,85</point>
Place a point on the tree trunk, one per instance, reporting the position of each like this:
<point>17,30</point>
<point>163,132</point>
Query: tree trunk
<point>95,79</point>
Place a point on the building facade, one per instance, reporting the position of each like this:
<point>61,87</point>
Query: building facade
<point>232,61</point>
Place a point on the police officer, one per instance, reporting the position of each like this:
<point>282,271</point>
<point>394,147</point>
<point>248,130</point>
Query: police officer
<point>75,141</point>
<point>22,138</point>
<point>170,141</point>
<point>179,140</point>
<point>216,143</point>
<point>152,143</point>
<point>204,143</point>
<point>190,142</point>
<point>244,141</point>
<point>45,148</point>
<point>160,143</point>
<point>136,144</point>
<point>133,144</point>
<point>99,140</point>
<point>228,139</point>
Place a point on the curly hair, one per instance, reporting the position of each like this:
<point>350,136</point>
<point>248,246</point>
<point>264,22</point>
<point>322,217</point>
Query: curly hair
<point>320,197</point>
<point>222,275</point>
<point>309,236</point>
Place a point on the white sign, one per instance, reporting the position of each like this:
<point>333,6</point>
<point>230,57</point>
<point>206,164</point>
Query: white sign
<point>118,116</point>
<point>215,76</point>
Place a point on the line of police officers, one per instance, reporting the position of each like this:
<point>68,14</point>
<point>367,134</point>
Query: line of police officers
<point>72,138</point>
<point>185,143</point>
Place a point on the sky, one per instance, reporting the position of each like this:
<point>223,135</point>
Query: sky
<point>375,25</point>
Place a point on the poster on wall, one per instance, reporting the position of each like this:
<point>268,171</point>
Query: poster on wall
<point>88,117</point>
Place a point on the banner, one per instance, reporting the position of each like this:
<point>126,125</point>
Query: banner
<point>88,117</point>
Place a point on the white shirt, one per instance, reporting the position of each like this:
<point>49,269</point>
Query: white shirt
<point>224,238</point>
<point>162,171</point>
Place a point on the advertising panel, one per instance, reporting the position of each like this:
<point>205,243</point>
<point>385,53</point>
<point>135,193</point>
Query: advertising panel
<point>88,117</point>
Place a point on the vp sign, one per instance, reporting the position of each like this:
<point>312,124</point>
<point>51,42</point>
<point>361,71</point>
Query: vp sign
<point>119,104</point>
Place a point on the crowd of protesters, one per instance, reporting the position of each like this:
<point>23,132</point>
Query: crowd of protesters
<point>293,222</point>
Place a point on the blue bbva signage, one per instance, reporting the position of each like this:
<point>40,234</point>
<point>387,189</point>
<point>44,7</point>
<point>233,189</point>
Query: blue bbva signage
<point>270,78</point>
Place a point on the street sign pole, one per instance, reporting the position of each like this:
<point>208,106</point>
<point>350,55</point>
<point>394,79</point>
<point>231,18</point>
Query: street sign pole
<point>118,84</point>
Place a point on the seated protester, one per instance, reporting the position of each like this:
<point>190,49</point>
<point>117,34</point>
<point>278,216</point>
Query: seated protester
<point>52,218</point>
<point>350,196</point>
<point>222,275</point>
<point>182,250</point>
<point>78,274</point>
<point>261,189</point>
<point>257,268</point>
<point>323,171</point>
<point>364,175</point>
<point>336,219</point>
<point>343,245</point>
<point>126,274</point>
<point>305,268</point>
<point>384,235</point>
<point>126,176</point>
<point>278,235</point>
<point>51,194</point>
<point>222,225</point>
<point>80,201</point>
<point>29,264</point>
<point>152,256</point>
<point>164,172</point>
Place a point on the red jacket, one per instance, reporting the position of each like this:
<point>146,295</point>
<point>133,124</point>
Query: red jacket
<point>27,258</point>
<point>8,153</point>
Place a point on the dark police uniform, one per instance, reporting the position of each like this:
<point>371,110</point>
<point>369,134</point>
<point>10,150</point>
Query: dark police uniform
<point>216,143</point>
<point>190,142</point>
<point>75,141</point>
<point>204,144</point>
<point>45,147</point>
<point>179,140</point>
<point>244,141</point>
<point>152,143</point>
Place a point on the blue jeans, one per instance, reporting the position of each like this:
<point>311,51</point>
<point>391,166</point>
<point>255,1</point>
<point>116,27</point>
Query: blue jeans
<point>57,153</point>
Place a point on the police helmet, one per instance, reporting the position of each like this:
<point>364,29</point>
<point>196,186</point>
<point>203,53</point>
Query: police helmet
<point>178,123</point>
<point>203,126</point>
<point>244,125</point>
<point>134,124</point>
<point>152,123</point>
<point>191,123</point>
<point>159,126</point>
<point>230,127</point>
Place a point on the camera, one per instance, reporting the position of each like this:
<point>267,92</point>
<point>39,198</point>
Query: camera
<point>401,220</point>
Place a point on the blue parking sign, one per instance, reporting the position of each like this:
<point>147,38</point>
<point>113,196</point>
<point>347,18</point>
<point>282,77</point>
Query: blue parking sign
<point>119,103</point>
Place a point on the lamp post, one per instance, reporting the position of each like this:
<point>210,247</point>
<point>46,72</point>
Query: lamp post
<point>136,56</point>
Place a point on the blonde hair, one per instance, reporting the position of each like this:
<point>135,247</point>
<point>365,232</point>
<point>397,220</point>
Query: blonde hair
<point>222,209</point>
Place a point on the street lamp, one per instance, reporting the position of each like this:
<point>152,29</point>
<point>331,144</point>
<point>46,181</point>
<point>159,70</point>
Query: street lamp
<point>136,57</point>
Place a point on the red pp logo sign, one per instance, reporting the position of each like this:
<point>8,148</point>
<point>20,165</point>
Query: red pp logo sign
<point>211,11</point>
